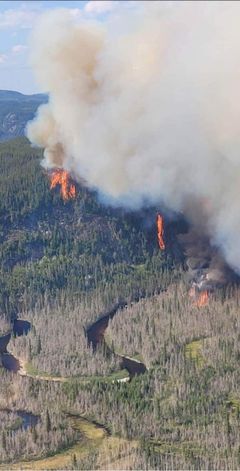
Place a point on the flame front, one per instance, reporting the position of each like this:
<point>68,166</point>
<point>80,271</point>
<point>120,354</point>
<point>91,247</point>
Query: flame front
<point>160,231</point>
<point>203,299</point>
<point>61,177</point>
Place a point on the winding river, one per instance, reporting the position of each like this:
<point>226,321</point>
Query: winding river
<point>95,335</point>
<point>9,362</point>
<point>28,419</point>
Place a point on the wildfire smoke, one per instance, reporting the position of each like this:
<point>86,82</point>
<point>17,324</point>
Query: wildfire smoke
<point>144,107</point>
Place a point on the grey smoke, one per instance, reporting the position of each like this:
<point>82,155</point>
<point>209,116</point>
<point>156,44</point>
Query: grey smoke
<point>145,107</point>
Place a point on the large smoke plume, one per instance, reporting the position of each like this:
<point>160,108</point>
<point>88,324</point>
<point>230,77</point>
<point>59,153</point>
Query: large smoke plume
<point>145,107</point>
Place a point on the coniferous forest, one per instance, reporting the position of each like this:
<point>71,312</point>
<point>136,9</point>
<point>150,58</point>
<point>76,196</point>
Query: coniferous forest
<point>155,385</point>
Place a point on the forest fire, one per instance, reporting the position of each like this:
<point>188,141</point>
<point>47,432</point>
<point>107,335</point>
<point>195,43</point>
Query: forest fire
<point>203,299</point>
<point>160,231</point>
<point>200,298</point>
<point>62,178</point>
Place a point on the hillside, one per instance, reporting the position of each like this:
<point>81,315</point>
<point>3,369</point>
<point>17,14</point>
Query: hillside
<point>160,388</point>
<point>49,245</point>
<point>16,110</point>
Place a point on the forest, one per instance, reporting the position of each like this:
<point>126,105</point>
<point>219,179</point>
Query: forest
<point>63,266</point>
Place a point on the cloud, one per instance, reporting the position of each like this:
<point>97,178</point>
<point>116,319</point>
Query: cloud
<point>75,13</point>
<point>22,18</point>
<point>25,17</point>
<point>3,58</point>
<point>18,48</point>
<point>99,7</point>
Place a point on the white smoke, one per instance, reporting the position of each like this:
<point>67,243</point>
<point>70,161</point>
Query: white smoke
<point>145,107</point>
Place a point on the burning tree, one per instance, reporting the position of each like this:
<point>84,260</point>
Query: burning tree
<point>160,232</point>
<point>61,177</point>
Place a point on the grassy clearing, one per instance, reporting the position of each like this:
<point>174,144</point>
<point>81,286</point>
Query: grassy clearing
<point>33,372</point>
<point>93,438</point>
<point>116,453</point>
<point>182,448</point>
<point>115,376</point>
<point>90,430</point>
<point>233,403</point>
<point>137,357</point>
<point>28,369</point>
<point>193,352</point>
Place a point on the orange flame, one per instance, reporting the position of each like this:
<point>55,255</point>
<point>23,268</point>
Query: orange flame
<point>160,231</point>
<point>61,177</point>
<point>203,299</point>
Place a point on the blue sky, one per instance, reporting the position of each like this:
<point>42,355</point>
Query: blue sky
<point>17,18</point>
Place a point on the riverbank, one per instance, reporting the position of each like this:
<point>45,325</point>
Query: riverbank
<point>94,437</point>
<point>96,336</point>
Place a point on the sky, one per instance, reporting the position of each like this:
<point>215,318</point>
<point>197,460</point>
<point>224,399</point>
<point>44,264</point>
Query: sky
<point>17,18</point>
